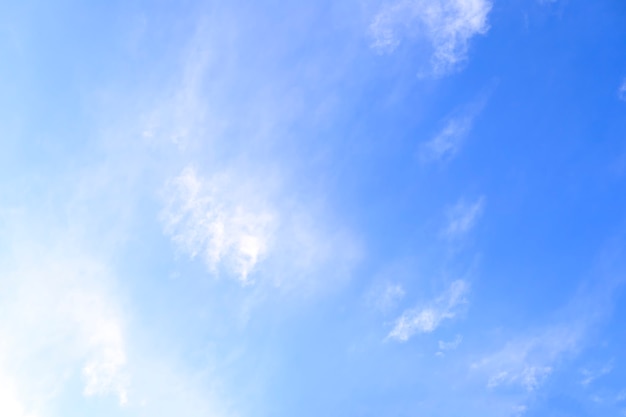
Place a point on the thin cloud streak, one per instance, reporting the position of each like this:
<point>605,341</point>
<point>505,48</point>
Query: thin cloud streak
<point>447,25</point>
<point>447,143</point>
<point>207,217</point>
<point>621,91</point>
<point>428,318</point>
<point>462,218</point>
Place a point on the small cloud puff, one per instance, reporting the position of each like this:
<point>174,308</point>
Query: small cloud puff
<point>462,217</point>
<point>589,374</point>
<point>448,25</point>
<point>528,361</point>
<point>208,217</point>
<point>448,346</point>
<point>621,91</point>
<point>427,319</point>
<point>447,143</point>
<point>385,297</point>
<point>242,227</point>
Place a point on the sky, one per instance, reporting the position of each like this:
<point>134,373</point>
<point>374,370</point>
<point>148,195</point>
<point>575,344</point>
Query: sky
<point>334,208</point>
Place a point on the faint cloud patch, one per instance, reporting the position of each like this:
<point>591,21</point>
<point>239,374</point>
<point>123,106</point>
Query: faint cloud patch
<point>519,410</point>
<point>386,296</point>
<point>448,346</point>
<point>63,316</point>
<point>105,370</point>
<point>426,319</point>
<point>447,25</point>
<point>621,91</point>
<point>530,377</point>
<point>446,144</point>
<point>462,217</point>
<point>248,229</point>
<point>210,218</point>
<point>591,374</point>
<point>11,405</point>
<point>528,361</point>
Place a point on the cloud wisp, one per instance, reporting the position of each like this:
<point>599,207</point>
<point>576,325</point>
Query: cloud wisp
<point>61,319</point>
<point>447,143</point>
<point>386,296</point>
<point>427,318</point>
<point>591,374</point>
<point>528,361</point>
<point>449,346</point>
<point>462,218</point>
<point>621,91</point>
<point>206,217</point>
<point>447,25</point>
<point>241,228</point>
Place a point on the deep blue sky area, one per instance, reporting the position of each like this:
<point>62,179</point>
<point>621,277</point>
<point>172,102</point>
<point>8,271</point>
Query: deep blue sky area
<point>359,208</point>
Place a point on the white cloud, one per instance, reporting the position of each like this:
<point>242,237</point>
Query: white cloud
<point>621,91</point>
<point>447,143</point>
<point>528,361</point>
<point>10,403</point>
<point>426,319</point>
<point>210,217</point>
<point>462,217</point>
<point>386,296</point>
<point>452,345</point>
<point>591,374</point>
<point>60,320</point>
<point>105,371</point>
<point>448,25</point>
<point>64,334</point>
<point>238,226</point>
<point>519,410</point>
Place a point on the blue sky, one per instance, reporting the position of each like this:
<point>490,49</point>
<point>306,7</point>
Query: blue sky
<point>355,208</point>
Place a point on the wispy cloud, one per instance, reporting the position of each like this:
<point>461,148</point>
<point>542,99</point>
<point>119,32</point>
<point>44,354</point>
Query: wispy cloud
<point>448,25</point>
<point>591,374</point>
<point>447,143</point>
<point>61,315</point>
<point>209,217</point>
<point>448,346</point>
<point>529,359</point>
<point>621,91</point>
<point>66,331</point>
<point>386,297</point>
<point>427,318</point>
<point>240,227</point>
<point>462,217</point>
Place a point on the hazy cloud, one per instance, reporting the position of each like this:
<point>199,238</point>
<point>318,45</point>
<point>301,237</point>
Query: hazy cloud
<point>462,217</point>
<point>384,297</point>
<point>527,361</point>
<point>447,25</point>
<point>447,143</point>
<point>591,374</point>
<point>211,218</point>
<point>447,346</point>
<point>426,319</point>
